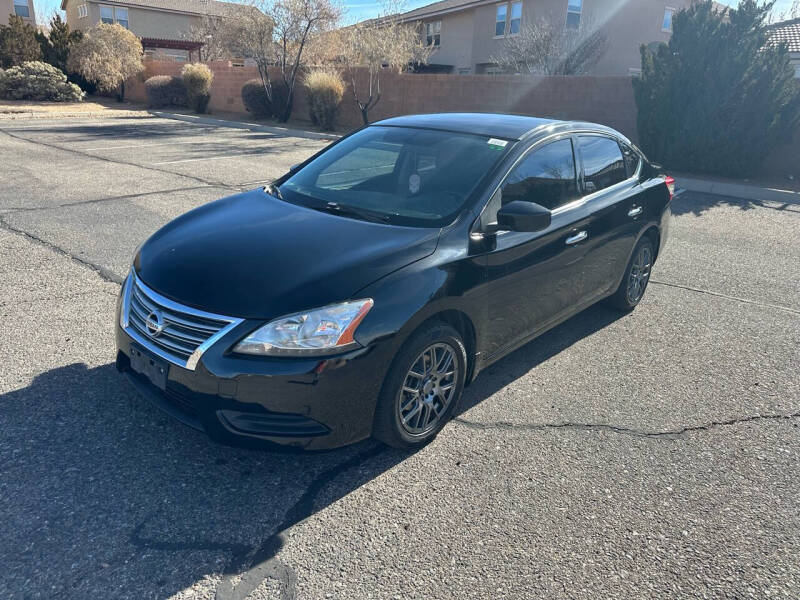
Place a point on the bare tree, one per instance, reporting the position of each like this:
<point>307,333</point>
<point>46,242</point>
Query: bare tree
<point>213,33</point>
<point>378,44</point>
<point>107,56</point>
<point>544,48</point>
<point>249,34</point>
<point>296,23</point>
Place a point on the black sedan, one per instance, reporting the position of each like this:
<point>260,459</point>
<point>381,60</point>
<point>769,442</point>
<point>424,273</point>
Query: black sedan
<point>359,293</point>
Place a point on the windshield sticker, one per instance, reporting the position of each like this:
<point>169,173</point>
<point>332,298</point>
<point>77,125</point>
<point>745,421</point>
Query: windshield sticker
<point>497,144</point>
<point>413,183</point>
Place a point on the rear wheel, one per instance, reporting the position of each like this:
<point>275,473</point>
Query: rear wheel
<point>422,389</point>
<point>631,290</point>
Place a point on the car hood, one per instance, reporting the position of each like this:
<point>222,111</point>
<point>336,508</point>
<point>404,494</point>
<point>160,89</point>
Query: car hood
<point>254,256</point>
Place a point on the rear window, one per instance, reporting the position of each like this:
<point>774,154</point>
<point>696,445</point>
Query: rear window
<point>603,165</point>
<point>410,176</point>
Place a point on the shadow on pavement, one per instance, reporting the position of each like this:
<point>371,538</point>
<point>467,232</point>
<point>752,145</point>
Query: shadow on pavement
<point>104,496</point>
<point>697,203</point>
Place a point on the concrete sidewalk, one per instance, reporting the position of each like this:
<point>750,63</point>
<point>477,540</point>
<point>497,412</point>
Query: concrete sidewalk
<point>744,191</point>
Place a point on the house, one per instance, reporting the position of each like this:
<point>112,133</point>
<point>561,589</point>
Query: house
<point>788,32</point>
<point>162,25</point>
<point>21,8</point>
<point>467,34</point>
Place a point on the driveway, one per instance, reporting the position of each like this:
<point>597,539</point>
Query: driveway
<point>648,455</point>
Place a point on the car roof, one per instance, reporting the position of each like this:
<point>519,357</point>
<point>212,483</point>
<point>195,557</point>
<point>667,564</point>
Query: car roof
<point>510,127</point>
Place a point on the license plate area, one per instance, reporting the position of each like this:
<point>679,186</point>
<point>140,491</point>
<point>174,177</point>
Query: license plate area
<point>152,367</point>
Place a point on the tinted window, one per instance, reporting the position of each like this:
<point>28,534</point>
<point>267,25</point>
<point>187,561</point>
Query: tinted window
<point>603,165</point>
<point>546,177</point>
<point>408,176</point>
<point>631,159</point>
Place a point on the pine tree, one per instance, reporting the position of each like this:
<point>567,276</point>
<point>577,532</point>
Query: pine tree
<point>720,95</point>
<point>57,45</point>
<point>18,43</point>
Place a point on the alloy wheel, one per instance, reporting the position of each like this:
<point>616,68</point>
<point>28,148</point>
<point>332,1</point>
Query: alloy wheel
<point>428,389</point>
<point>640,273</point>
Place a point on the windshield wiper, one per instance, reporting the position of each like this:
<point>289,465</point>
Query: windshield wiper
<point>351,211</point>
<point>273,190</point>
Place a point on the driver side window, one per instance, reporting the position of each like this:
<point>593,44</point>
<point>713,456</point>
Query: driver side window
<point>546,176</point>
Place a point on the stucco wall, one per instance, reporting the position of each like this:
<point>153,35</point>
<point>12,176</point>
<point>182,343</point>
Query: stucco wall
<point>7,9</point>
<point>626,23</point>
<point>141,21</point>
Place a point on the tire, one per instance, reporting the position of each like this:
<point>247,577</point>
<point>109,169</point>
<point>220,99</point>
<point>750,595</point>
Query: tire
<point>637,275</point>
<point>415,382</point>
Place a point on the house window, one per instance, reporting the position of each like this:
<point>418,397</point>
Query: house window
<point>666,24</point>
<point>516,17</point>
<point>107,14</point>
<point>433,31</point>
<point>121,16</point>
<point>21,9</point>
<point>500,20</point>
<point>83,11</point>
<point>574,8</point>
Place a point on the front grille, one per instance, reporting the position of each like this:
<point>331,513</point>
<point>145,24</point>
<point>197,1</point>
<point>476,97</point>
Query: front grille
<point>185,332</point>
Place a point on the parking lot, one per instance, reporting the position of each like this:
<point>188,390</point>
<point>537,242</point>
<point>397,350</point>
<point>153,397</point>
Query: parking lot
<point>648,455</point>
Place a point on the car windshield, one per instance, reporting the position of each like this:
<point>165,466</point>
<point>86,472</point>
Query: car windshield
<point>398,175</point>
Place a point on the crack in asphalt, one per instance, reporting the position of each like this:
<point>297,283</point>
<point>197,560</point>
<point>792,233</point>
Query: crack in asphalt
<point>108,199</point>
<point>255,564</point>
<point>103,272</point>
<point>208,182</point>
<point>669,433</point>
<point>726,296</point>
<point>264,560</point>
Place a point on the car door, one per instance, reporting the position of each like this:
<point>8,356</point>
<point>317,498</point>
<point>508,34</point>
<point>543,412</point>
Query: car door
<point>612,192</point>
<point>532,278</point>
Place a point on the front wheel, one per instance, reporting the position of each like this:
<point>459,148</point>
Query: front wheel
<point>422,388</point>
<point>634,283</point>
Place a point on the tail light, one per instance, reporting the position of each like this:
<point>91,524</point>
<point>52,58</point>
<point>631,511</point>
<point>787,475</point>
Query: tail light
<point>670,181</point>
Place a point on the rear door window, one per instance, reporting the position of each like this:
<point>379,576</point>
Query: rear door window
<point>546,176</point>
<point>603,164</point>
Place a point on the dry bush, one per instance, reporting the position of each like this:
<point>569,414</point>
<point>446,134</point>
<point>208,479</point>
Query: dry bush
<point>324,90</point>
<point>163,90</point>
<point>35,80</point>
<point>197,79</point>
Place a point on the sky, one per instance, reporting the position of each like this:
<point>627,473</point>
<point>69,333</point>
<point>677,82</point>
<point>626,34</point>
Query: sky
<point>357,10</point>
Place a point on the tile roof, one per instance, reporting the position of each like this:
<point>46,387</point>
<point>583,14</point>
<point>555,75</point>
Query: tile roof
<point>214,8</point>
<point>788,32</point>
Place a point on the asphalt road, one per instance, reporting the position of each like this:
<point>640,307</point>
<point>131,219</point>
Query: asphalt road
<point>650,455</point>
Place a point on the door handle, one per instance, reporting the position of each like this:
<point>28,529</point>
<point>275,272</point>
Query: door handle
<point>578,237</point>
<point>635,212</point>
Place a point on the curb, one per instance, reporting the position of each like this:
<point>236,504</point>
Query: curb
<point>282,131</point>
<point>738,190</point>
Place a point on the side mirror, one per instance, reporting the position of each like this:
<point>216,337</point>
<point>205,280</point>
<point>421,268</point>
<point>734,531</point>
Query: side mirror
<point>523,216</point>
<point>294,168</point>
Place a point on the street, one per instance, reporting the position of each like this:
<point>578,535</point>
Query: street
<point>653,454</point>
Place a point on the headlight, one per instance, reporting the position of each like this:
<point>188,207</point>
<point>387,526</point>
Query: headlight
<point>322,331</point>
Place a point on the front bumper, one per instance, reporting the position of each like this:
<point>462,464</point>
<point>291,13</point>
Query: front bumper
<point>260,401</point>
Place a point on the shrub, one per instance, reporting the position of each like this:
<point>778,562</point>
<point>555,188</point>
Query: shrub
<point>197,79</point>
<point>324,89</point>
<point>256,101</point>
<point>38,81</point>
<point>163,90</point>
<point>107,56</point>
<point>720,95</point>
